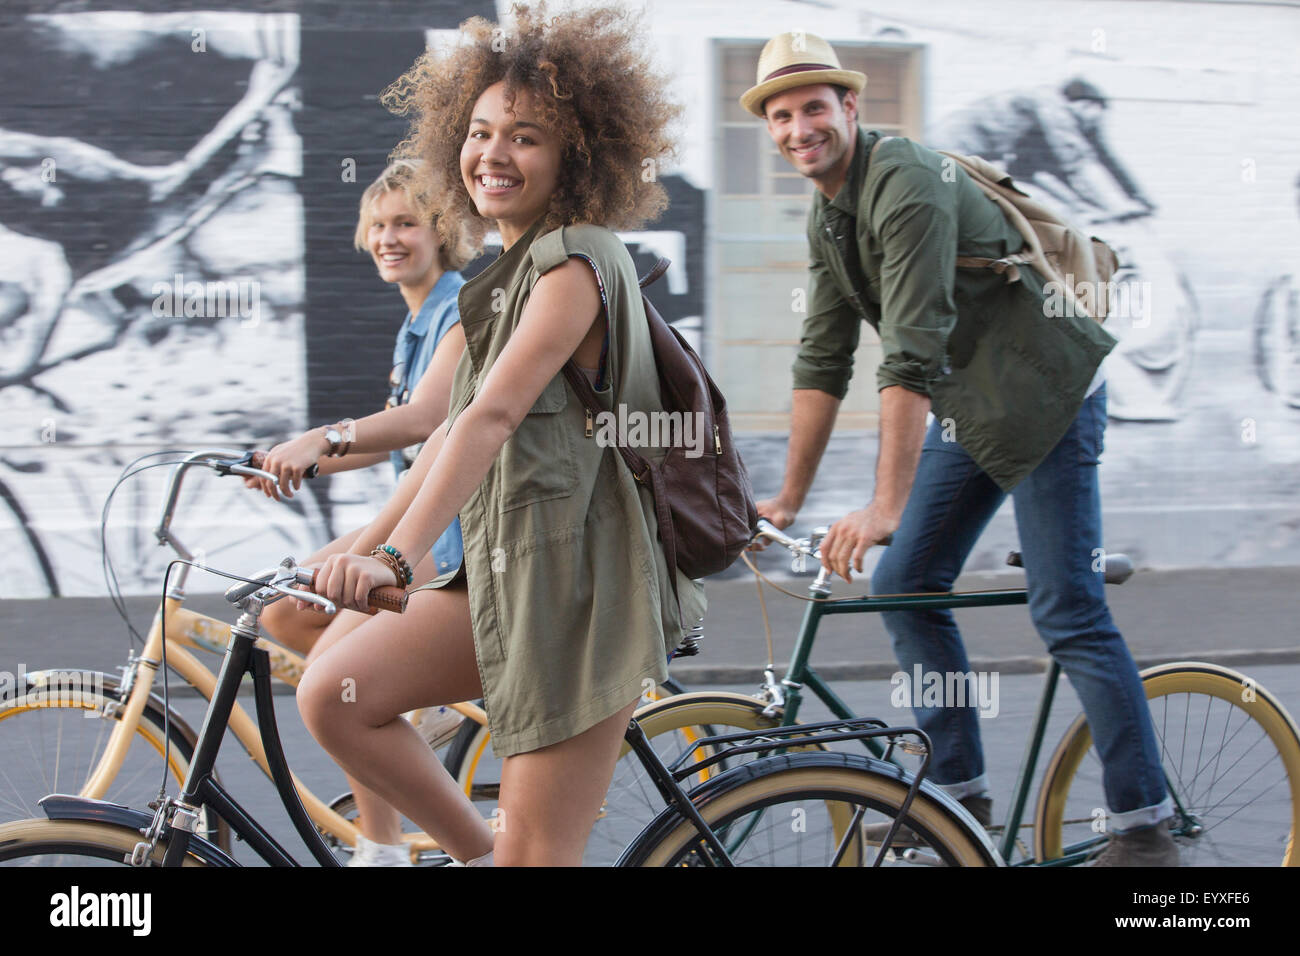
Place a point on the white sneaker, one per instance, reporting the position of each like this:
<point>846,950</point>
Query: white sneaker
<point>437,725</point>
<point>369,853</point>
<point>484,860</point>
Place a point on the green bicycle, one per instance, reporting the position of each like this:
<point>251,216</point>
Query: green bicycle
<point>1230,750</point>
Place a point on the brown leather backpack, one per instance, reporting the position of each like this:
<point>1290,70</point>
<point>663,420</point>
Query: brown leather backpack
<point>704,504</point>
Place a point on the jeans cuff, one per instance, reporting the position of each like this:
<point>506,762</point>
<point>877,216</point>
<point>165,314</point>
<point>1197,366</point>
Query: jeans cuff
<point>1142,817</point>
<point>971,788</point>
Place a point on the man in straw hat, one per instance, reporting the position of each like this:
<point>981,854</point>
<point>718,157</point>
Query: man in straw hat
<point>1019,409</point>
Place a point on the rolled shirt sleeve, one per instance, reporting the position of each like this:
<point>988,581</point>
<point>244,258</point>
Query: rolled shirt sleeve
<point>914,216</point>
<point>830,334</point>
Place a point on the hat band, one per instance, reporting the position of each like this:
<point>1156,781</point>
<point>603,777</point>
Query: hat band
<point>799,68</point>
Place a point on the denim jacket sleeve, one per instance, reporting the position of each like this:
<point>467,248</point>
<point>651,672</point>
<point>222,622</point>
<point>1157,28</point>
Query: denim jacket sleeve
<point>830,332</point>
<point>914,216</point>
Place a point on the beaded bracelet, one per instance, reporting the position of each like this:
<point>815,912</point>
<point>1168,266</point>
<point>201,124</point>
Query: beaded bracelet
<point>388,561</point>
<point>398,563</point>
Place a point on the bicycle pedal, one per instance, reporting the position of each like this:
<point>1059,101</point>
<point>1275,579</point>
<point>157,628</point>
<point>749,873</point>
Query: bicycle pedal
<point>486,791</point>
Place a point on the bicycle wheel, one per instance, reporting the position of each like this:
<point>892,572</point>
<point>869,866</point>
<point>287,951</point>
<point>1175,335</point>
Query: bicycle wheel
<point>54,732</point>
<point>808,809</point>
<point>1231,755</point>
<point>470,761</point>
<point>672,726</point>
<point>73,843</point>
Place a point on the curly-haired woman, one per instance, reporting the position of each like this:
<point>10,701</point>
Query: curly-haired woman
<point>565,606</point>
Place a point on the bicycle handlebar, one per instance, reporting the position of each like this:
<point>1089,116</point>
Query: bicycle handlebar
<point>385,598</point>
<point>258,458</point>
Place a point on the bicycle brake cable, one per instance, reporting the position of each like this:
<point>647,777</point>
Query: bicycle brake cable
<point>106,562</point>
<point>167,707</point>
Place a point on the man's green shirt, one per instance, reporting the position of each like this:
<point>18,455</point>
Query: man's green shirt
<point>1009,376</point>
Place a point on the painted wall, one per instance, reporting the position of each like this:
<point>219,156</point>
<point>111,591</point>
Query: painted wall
<point>178,191</point>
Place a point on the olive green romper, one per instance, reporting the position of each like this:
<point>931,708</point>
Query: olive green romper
<point>569,592</point>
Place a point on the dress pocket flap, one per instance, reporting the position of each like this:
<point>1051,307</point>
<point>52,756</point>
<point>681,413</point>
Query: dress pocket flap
<point>552,399</point>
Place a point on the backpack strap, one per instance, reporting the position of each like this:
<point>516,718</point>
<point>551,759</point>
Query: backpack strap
<point>641,469</point>
<point>1008,265</point>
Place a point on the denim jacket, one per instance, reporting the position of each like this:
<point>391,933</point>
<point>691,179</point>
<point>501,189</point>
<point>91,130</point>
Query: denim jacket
<point>1010,376</point>
<point>417,340</point>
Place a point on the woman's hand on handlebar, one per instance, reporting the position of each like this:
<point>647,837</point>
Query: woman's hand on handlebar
<point>289,461</point>
<point>348,579</point>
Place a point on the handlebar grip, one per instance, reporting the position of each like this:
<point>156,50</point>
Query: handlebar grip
<point>259,459</point>
<point>386,598</point>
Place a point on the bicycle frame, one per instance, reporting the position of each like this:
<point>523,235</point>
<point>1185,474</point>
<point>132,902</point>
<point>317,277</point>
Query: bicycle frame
<point>187,630</point>
<point>801,674</point>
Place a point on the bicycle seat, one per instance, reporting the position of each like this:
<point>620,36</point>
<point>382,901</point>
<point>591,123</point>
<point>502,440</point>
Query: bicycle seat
<point>1118,567</point>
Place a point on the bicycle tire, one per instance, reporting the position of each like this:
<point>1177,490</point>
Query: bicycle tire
<point>43,736</point>
<point>1071,798</point>
<point>73,843</point>
<point>841,783</point>
<point>469,748</point>
<point>631,801</point>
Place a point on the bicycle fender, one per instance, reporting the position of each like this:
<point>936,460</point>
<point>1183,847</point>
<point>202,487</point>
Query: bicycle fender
<point>670,817</point>
<point>60,806</point>
<point>112,685</point>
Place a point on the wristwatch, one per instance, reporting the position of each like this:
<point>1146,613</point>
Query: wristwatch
<point>335,438</point>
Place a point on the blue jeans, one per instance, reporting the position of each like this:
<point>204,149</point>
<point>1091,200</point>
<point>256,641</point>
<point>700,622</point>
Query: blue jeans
<point>1058,516</point>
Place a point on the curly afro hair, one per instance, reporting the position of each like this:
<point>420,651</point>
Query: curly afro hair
<point>592,85</point>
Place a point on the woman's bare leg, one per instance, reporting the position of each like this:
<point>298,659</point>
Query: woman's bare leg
<point>379,822</point>
<point>550,797</point>
<point>353,695</point>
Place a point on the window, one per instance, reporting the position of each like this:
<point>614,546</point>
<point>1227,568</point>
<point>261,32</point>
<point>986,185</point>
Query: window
<point>760,255</point>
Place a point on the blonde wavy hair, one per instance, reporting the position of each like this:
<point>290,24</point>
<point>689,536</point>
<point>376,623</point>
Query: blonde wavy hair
<point>593,86</point>
<point>456,248</point>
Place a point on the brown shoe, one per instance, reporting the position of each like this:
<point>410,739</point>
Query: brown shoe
<point>981,808</point>
<point>1143,846</point>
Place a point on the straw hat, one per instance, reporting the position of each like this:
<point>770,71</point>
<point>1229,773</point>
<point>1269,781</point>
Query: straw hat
<point>797,59</point>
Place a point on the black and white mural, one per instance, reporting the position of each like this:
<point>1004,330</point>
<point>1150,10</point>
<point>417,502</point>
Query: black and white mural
<point>151,278</point>
<point>178,193</point>
<point>1053,142</point>
<point>179,188</point>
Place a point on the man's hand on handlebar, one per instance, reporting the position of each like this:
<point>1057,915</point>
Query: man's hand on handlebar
<point>849,538</point>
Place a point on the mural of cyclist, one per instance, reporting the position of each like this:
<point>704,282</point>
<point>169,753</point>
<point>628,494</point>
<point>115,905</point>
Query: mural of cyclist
<point>1053,142</point>
<point>102,219</point>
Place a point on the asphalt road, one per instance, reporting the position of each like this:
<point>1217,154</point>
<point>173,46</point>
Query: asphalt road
<point>1242,618</point>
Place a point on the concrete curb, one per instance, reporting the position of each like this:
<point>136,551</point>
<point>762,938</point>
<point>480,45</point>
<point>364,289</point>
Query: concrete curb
<point>691,674</point>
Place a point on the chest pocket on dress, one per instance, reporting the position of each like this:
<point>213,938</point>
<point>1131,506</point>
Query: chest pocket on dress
<point>538,461</point>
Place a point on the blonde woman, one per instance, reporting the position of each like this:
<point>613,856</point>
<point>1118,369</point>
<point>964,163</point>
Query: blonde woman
<point>420,254</point>
<point>566,605</point>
